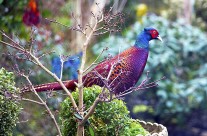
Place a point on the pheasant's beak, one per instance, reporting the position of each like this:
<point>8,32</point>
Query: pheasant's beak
<point>159,38</point>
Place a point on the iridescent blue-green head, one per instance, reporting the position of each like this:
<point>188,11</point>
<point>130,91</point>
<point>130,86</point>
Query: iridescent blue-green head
<point>149,33</point>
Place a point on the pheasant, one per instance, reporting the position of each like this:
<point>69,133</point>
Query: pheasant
<point>122,71</point>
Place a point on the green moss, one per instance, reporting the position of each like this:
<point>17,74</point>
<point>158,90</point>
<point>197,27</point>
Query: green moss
<point>109,118</point>
<point>9,109</point>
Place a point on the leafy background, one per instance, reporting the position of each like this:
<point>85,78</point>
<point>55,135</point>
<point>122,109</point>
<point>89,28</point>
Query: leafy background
<point>179,102</point>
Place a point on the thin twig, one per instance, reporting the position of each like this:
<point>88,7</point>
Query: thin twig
<point>55,21</point>
<point>45,105</point>
<point>61,67</point>
<point>94,62</point>
<point>90,112</point>
<point>30,100</point>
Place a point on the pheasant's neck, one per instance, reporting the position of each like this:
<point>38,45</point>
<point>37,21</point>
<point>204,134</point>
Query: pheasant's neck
<point>142,41</point>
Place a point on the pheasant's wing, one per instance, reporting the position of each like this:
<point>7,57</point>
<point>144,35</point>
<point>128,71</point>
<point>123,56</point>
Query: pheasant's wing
<point>109,72</point>
<point>119,73</point>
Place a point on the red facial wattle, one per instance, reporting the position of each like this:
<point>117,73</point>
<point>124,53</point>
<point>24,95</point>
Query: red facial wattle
<point>154,34</point>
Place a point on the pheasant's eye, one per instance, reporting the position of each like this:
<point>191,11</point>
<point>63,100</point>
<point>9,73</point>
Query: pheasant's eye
<point>154,33</point>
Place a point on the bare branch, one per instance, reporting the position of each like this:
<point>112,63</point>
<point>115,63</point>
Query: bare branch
<point>55,21</point>
<point>42,102</point>
<point>94,62</point>
<point>46,53</point>
<point>30,100</point>
<point>90,112</point>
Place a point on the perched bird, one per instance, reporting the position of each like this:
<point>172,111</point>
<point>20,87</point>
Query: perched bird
<point>122,71</point>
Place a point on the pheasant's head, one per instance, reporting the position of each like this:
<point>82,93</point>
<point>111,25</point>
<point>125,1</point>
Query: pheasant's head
<point>152,33</point>
<point>145,36</point>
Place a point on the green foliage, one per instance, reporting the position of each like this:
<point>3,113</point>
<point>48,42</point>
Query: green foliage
<point>109,118</point>
<point>11,15</point>
<point>181,58</point>
<point>142,108</point>
<point>132,128</point>
<point>200,9</point>
<point>9,109</point>
<point>201,14</point>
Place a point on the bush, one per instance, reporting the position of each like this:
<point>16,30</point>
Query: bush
<point>109,119</point>
<point>9,109</point>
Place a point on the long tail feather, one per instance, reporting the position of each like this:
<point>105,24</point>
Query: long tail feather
<point>70,84</point>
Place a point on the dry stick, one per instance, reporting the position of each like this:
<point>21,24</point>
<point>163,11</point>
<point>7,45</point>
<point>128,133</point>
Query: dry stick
<point>142,86</point>
<point>61,67</point>
<point>29,100</point>
<point>55,21</point>
<point>80,73</point>
<point>47,53</point>
<point>8,44</point>
<point>94,62</point>
<point>90,112</point>
<point>44,103</point>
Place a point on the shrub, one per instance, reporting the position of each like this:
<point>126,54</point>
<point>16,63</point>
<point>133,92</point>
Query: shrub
<point>9,108</point>
<point>108,119</point>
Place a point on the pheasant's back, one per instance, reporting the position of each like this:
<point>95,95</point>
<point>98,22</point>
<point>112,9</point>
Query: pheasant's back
<point>122,71</point>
